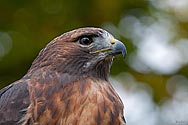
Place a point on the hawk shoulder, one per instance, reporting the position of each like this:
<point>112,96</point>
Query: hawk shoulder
<point>14,100</point>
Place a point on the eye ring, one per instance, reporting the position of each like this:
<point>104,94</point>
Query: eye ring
<point>85,40</point>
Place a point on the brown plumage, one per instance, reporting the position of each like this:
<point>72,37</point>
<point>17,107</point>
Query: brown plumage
<point>67,84</point>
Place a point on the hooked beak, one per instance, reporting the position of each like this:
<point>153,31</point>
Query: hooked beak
<point>117,47</point>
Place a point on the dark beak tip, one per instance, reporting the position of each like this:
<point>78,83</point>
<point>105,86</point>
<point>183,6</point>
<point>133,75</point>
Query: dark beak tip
<point>119,48</point>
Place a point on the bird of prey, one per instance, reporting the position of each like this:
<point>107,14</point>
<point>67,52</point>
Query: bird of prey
<point>67,83</point>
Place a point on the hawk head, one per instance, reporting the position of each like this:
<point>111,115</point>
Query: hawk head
<point>82,52</point>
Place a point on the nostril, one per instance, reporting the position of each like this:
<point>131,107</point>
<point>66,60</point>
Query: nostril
<point>113,41</point>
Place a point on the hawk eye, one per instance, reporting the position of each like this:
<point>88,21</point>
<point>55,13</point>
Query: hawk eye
<point>85,41</point>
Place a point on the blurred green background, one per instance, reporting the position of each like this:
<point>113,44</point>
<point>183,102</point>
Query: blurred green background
<point>27,26</point>
<point>155,33</point>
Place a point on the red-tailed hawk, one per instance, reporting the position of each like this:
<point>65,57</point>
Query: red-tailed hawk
<point>67,84</point>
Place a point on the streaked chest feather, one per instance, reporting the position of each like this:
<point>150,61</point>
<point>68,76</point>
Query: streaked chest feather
<point>84,102</point>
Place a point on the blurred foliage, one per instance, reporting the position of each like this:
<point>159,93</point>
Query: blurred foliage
<point>32,24</point>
